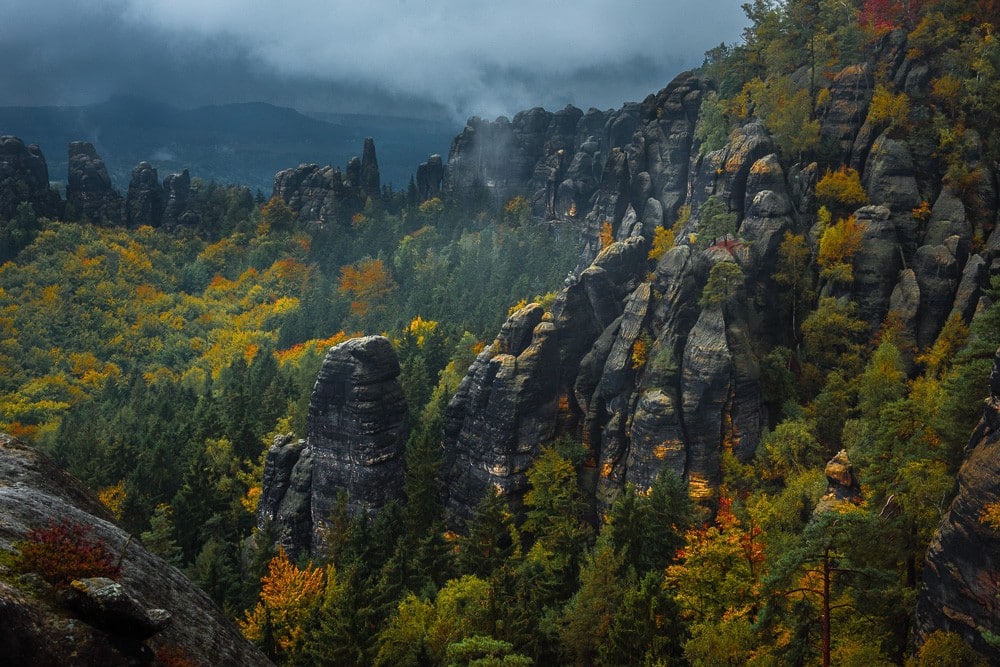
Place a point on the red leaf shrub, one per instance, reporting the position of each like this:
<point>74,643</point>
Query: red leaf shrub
<point>63,552</point>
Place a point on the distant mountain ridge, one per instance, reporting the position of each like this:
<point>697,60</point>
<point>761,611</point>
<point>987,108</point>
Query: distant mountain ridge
<point>245,143</point>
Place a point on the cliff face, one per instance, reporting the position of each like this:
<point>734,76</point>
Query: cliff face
<point>961,591</point>
<point>38,628</point>
<point>631,360</point>
<point>356,442</point>
<point>559,159</point>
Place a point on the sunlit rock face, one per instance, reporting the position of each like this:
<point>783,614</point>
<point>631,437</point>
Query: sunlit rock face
<point>961,585</point>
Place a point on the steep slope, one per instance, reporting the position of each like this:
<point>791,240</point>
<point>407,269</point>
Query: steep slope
<point>961,591</point>
<point>647,363</point>
<point>38,628</point>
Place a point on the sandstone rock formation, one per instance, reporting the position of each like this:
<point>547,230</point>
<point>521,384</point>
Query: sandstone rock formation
<point>145,200</point>
<point>628,361</point>
<point>961,586</point>
<point>88,190</point>
<point>103,622</point>
<point>177,192</point>
<point>321,195</point>
<point>355,446</point>
<point>24,177</point>
<point>556,158</point>
<point>430,177</point>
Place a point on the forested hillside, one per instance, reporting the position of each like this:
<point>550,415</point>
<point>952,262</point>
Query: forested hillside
<point>728,436</point>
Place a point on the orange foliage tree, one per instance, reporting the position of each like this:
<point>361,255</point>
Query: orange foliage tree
<point>288,598</point>
<point>368,283</point>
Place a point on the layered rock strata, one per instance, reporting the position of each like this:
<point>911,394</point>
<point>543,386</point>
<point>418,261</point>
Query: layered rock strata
<point>355,446</point>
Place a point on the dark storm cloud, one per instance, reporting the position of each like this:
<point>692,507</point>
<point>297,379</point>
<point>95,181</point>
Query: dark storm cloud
<point>456,56</point>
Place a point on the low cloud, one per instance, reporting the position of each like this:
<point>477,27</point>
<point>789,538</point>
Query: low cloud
<point>426,57</point>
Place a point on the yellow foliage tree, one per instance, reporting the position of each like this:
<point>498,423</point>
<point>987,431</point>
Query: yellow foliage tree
<point>887,110</point>
<point>663,240</point>
<point>113,497</point>
<point>836,248</point>
<point>841,191</point>
<point>288,597</point>
<point>607,234</point>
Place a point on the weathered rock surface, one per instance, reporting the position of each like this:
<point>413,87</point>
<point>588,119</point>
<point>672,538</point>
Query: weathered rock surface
<point>850,93</point>
<point>890,176</point>
<point>177,193</point>
<point>960,583</point>
<point>88,190</point>
<point>430,177</point>
<point>321,195</point>
<point>503,411</point>
<point>841,483</point>
<point>357,429</point>
<point>285,500</point>
<point>556,159</point>
<point>145,200</point>
<point>876,263</point>
<point>24,177</point>
<point>108,606</point>
<point>938,275</point>
<point>356,442</point>
<point>36,630</point>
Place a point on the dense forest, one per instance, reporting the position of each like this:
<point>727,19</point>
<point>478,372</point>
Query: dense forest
<point>158,366</point>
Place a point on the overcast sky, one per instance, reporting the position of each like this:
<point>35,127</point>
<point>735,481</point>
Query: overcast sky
<point>404,57</point>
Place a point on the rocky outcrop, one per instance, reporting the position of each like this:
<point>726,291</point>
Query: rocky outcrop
<point>145,200</point>
<point>556,159</point>
<point>890,176</point>
<point>503,411</point>
<point>850,93</point>
<point>430,177</point>
<point>961,588</point>
<point>177,191</point>
<point>89,193</point>
<point>321,195</point>
<point>24,177</point>
<point>370,179</point>
<point>841,484</point>
<point>152,607</point>
<point>285,501</point>
<point>356,442</point>
<point>876,264</point>
<point>357,429</point>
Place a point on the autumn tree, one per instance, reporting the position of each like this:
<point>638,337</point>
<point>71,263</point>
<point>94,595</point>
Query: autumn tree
<point>837,248</point>
<point>276,215</point>
<point>841,191</point>
<point>369,285</point>
<point>793,274</point>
